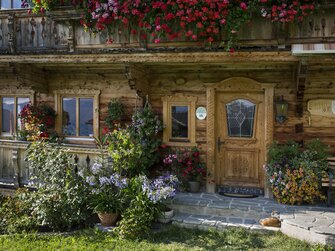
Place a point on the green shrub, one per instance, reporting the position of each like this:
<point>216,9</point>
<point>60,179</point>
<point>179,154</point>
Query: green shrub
<point>61,201</point>
<point>135,149</point>
<point>145,199</point>
<point>137,218</point>
<point>16,213</point>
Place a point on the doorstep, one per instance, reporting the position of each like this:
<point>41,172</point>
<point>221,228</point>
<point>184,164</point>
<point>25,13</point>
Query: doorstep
<point>314,224</point>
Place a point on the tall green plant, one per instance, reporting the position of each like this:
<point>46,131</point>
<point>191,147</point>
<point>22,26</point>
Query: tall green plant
<point>62,197</point>
<point>134,149</point>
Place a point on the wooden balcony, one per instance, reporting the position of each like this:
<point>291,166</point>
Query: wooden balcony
<point>59,32</point>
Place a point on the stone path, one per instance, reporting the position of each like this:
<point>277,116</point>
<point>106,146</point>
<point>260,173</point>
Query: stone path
<point>204,211</point>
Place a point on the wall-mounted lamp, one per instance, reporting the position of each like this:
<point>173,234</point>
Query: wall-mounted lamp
<point>281,110</point>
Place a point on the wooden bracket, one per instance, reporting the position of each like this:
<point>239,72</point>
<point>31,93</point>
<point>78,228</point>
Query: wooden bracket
<point>300,87</point>
<point>137,78</point>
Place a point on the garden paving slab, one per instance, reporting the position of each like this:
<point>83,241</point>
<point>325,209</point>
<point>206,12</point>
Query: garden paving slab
<point>323,230</point>
<point>300,221</point>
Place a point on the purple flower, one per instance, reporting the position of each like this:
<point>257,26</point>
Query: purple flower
<point>90,180</point>
<point>96,167</point>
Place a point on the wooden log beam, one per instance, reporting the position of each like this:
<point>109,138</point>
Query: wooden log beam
<point>157,57</point>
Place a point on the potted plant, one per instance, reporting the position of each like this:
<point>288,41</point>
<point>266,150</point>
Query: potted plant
<point>107,193</point>
<point>37,121</point>
<point>166,214</point>
<point>188,166</point>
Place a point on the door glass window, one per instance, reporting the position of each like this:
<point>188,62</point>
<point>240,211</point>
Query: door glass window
<point>240,118</point>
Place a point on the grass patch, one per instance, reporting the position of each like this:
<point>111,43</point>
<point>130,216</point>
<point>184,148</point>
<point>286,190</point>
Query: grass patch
<point>171,238</point>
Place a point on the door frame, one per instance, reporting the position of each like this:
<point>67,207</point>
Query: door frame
<point>236,85</point>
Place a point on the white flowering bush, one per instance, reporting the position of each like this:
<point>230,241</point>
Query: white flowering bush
<point>62,197</point>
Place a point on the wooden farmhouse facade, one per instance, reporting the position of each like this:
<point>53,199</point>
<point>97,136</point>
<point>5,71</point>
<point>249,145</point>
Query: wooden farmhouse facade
<point>51,59</point>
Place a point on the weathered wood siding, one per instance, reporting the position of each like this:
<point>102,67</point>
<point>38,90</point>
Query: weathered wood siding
<point>319,84</point>
<point>167,79</point>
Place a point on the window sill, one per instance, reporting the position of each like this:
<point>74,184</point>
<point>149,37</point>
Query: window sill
<point>184,144</point>
<point>79,141</point>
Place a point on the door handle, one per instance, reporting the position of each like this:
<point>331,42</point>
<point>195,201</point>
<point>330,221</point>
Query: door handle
<point>219,142</point>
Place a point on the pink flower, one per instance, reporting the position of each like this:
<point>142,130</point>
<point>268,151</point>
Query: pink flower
<point>243,6</point>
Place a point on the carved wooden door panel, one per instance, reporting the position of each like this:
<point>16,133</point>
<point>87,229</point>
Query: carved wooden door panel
<point>240,139</point>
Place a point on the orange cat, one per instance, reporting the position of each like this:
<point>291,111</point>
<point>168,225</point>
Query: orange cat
<point>270,222</point>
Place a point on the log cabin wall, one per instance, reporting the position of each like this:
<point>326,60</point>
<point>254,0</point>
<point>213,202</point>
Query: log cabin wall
<point>42,82</point>
<point>197,77</point>
<point>111,82</point>
<point>191,80</point>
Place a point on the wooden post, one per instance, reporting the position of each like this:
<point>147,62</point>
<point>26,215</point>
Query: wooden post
<point>16,167</point>
<point>210,185</point>
<point>11,34</point>
<point>269,120</point>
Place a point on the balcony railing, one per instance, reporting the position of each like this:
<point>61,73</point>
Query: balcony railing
<point>60,31</point>
<point>14,170</point>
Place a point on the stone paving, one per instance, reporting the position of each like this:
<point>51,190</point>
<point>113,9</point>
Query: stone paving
<point>206,211</point>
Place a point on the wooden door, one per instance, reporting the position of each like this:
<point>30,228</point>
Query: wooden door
<point>240,132</point>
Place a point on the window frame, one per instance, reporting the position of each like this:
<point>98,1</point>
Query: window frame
<point>14,93</point>
<point>179,100</point>
<point>253,131</point>
<point>255,128</point>
<point>77,94</point>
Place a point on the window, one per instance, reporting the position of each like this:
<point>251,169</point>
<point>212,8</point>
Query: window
<point>179,123</point>
<point>179,120</point>
<point>11,107</point>
<point>78,113</point>
<point>10,4</point>
<point>77,116</point>
<point>240,118</point>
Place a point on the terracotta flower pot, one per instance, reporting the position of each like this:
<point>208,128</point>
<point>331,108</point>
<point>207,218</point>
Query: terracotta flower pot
<point>194,186</point>
<point>108,219</point>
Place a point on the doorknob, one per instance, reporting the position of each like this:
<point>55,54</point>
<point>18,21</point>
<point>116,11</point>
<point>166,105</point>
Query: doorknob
<point>219,142</point>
